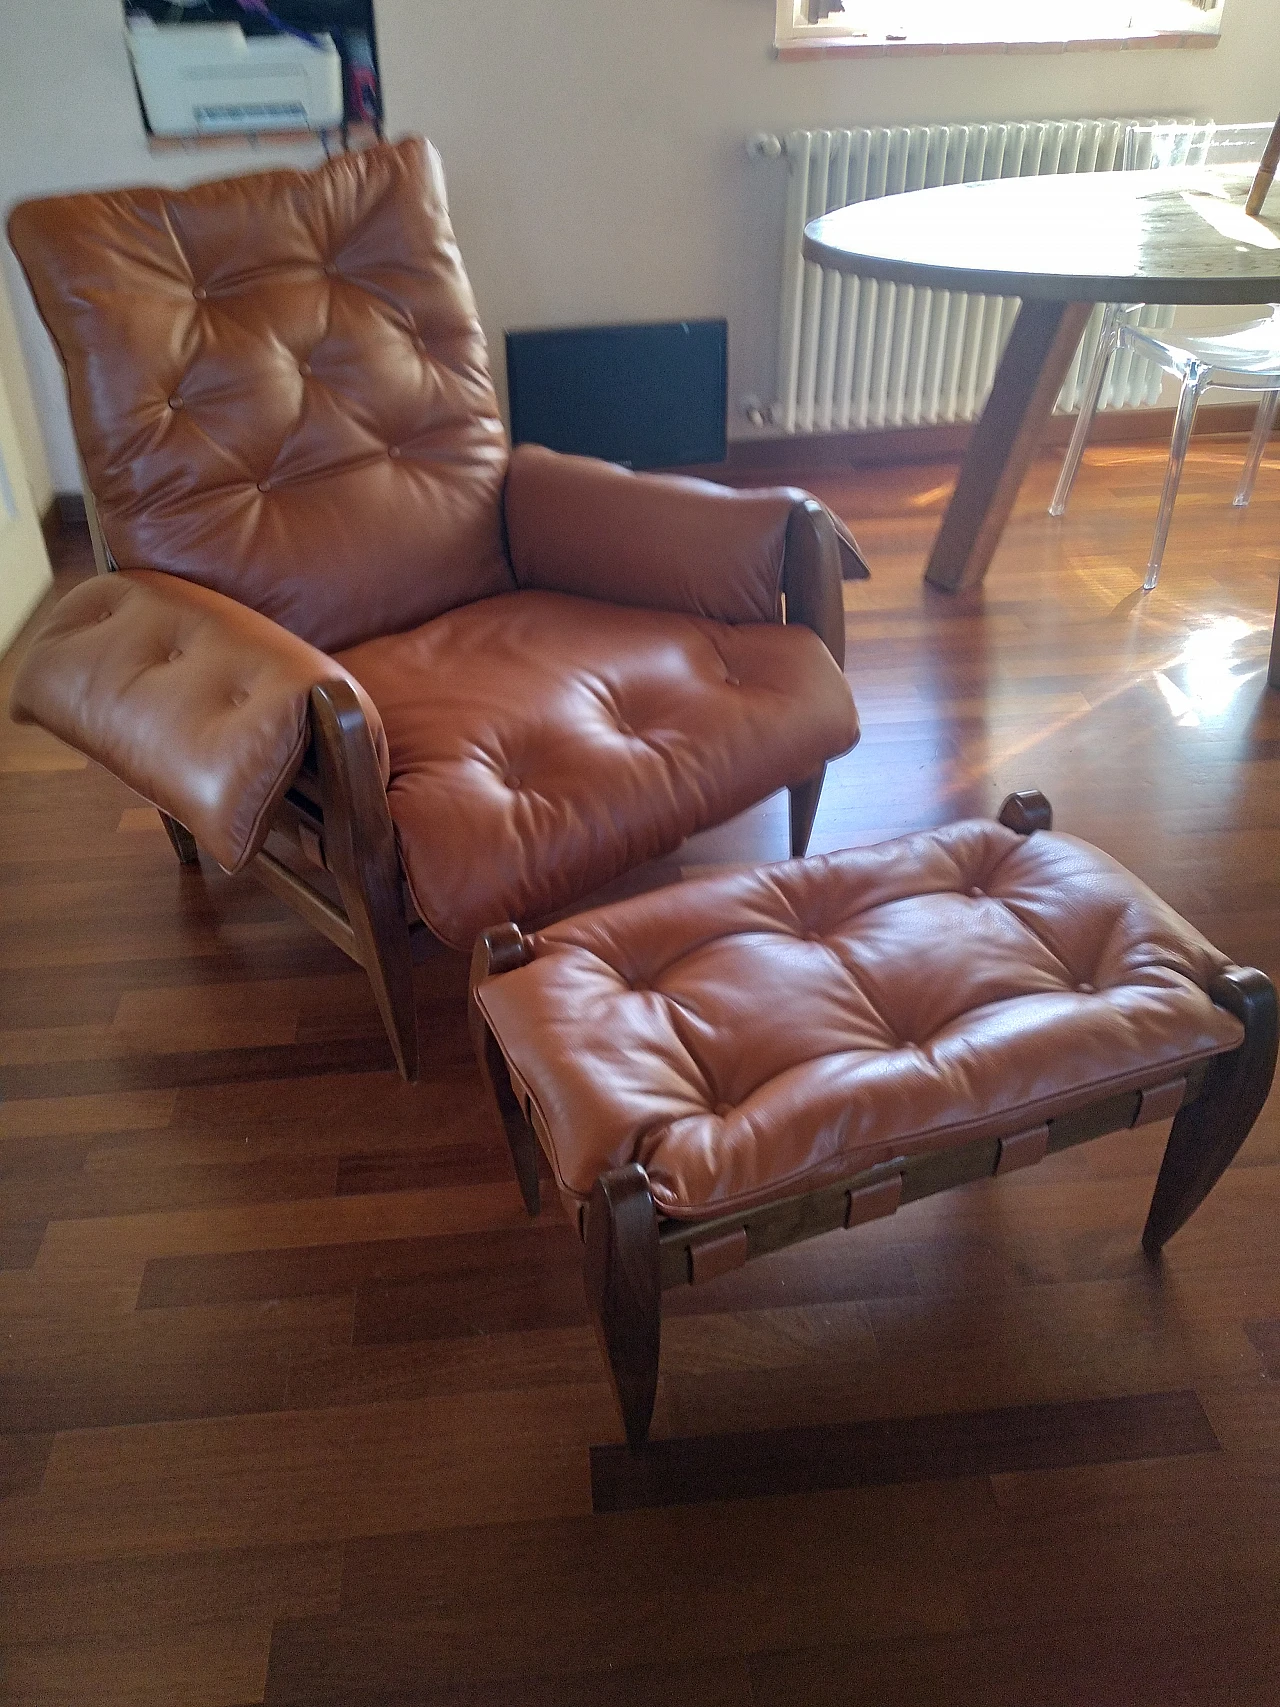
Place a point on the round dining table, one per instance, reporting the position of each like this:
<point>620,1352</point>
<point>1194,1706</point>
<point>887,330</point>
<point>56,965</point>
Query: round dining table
<point>1061,244</point>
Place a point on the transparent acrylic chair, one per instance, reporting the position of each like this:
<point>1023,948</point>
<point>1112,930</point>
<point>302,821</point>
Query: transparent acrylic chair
<point>1244,358</point>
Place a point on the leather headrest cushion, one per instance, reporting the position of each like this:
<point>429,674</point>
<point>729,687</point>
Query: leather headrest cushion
<point>280,389</point>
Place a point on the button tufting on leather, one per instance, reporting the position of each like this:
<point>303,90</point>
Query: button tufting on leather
<point>264,485</point>
<point>977,894</point>
<point>175,402</point>
<point>103,615</point>
<point>623,729</point>
<point>723,1108</point>
<point>949,1031</point>
<point>175,654</point>
<point>393,450</point>
<point>732,682</point>
<point>512,781</point>
<point>1086,989</point>
<point>239,696</point>
<point>343,570</point>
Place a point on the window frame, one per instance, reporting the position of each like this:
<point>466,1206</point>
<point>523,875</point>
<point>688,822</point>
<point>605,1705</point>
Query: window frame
<point>867,27</point>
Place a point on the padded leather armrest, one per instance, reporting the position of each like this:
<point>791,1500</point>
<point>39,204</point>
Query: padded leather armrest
<point>198,703</point>
<point>578,525</point>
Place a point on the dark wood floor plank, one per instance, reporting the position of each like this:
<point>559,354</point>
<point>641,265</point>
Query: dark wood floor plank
<point>126,1072</point>
<point>433,1611</point>
<point>20,1243</point>
<point>1264,1336</point>
<point>543,1357</point>
<point>161,1365</point>
<point>306,1477</point>
<point>23,1460</point>
<point>201,1665</point>
<point>719,1683</point>
<point>1204,1658</point>
<point>77,1194</point>
<point>421,1168</point>
<point>121,1600</point>
<point>193,1235</point>
<point>499,1285</point>
<point>908,1449</point>
<point>527,1250</point>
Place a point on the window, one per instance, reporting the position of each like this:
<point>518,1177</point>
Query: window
<point>809,27</point>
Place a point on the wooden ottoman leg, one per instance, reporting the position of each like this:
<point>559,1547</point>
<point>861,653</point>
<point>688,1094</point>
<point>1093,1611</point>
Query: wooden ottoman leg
<point>1207,1133</point>
<point>499,950</point>
<point>624,1291</point>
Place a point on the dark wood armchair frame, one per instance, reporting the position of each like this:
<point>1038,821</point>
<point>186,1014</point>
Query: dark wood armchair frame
<point>633,1253</point>
<point>336,819</point>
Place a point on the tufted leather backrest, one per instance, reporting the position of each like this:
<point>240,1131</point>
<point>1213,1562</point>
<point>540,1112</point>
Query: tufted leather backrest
<point>280,388</point>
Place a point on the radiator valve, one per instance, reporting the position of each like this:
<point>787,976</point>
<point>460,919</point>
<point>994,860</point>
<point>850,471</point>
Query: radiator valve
<point>764,145</point>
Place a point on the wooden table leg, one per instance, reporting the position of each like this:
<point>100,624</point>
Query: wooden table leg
<point>1028,380</point>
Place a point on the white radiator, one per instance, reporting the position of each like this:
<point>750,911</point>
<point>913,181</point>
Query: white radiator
<point>856,353</point>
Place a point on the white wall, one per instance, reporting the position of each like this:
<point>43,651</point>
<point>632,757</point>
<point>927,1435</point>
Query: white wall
<point>17,388</point>
<point>595,150</point>
<point>24,563</point>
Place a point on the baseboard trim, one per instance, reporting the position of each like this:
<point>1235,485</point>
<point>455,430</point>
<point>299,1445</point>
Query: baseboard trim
<point>64,513</point>
<point>947,442</point>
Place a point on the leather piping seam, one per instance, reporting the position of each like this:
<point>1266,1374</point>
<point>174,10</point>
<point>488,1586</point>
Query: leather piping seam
<point>832,1170</point>
<point>956,1135</point>
<point>261,826</point>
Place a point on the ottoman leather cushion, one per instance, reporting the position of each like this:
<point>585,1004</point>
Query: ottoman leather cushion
<point>751,1035</point>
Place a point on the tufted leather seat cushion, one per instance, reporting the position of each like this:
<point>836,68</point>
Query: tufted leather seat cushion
<point>749,1036</point>
<point>280,390</point>
<point>541,744</point>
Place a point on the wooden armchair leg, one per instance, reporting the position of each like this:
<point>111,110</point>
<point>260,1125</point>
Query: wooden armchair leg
<point>1207,1133</point>
<point>804,809</point>
<point>624,1291</point>
<point>181,840</point>
<point>496,951</point>
<point>361,852</point>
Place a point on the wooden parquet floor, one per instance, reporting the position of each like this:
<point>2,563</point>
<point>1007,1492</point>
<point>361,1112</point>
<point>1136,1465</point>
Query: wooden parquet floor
<point>296,1406</point>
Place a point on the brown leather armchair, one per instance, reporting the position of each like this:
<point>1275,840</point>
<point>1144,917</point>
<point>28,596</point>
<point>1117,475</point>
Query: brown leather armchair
<point>349,619</point>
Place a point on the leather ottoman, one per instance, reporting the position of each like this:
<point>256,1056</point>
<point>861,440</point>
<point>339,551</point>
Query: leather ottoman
<point>736,1063</point>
